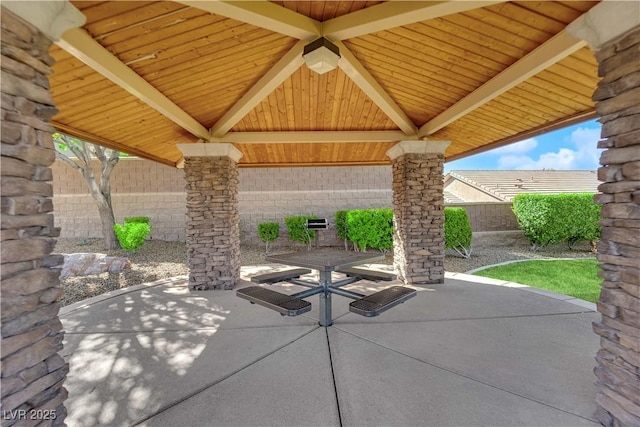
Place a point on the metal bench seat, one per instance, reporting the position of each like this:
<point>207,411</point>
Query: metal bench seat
<point>374,304</point>
<point>282,303</point>
<point>372,275</point>
<point>280,276</point>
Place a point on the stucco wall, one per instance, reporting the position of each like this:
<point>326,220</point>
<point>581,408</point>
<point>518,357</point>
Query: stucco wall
<point>140,187</point>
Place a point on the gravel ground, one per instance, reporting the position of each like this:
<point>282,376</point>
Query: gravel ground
<point>160,260</point>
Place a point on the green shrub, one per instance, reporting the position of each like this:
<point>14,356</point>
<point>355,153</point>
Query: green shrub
<point>548,219</point>
<point>139,219</point>
<point>370,228</point>
<point>268,232</point>
<point>297,228</point>
<point>457,231</point>
<point>131,235</point>
<point>341,226</point>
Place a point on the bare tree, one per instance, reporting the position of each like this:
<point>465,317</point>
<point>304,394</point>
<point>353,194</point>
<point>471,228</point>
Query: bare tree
<point>100,189</point>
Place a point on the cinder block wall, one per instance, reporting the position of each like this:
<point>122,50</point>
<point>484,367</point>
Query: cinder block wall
<point>140,187</point>
<point>144,188</point>
<point>490,216</point>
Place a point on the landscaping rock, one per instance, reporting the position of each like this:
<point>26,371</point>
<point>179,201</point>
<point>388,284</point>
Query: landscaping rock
<point>89,264</point>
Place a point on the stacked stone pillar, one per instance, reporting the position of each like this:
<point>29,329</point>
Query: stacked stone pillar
<point>213,221</point>
<point>32,370</point>
<point>613,29</point>
<point>418,211</point>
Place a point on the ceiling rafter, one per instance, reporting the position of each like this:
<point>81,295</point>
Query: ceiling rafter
<point>301,137</point>
<point>553,50</point>
<point>284,21</point>
<point>286,66</point>
<point>365,81</point>
<point>263,14</point>
<point>81,45</point>
<point>61,127</point>
<point>393,14</point>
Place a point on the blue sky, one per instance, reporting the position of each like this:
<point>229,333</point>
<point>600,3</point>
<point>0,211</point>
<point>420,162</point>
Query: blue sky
<point>573,148</point>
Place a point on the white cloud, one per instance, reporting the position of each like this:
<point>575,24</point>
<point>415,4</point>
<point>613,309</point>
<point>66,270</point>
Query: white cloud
<point>584,156</point>
<point>517,148</point>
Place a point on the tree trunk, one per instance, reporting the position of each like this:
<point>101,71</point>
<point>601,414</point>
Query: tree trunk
<point>108,221</point>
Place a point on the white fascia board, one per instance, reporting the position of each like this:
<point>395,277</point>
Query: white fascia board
<point>341,137</point>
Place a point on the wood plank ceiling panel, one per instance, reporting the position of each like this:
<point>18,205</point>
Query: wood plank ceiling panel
<point>325,10</point>
<point>105,110</point>
<point>529,105</point>
<point>263,155</point>
<point>472,47</point>
<point>191,56</point>
<point>310,102</point>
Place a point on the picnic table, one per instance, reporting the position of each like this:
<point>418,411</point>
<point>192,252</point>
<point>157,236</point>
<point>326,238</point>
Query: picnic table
<point>325,262</point>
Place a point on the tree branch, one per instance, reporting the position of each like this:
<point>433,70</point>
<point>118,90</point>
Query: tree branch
<point>68,161</point>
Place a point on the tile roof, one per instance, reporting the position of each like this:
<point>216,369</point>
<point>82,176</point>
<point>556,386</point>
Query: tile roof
<point>507,184</point>
<point>449,197</point>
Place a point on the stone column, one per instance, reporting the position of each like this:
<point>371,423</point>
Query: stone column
<point>418,211</point>
<point>213,221</point>
<point>32,370</point>
<point>613,30</point>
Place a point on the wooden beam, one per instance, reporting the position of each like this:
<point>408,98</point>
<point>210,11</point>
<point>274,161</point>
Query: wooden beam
<point>540,130</point>
<point>95,139</point>
<point>312,137</point>
<point>558,47</point>
<point>263,14</point>
<point>311,164</point>
<point>393,14</point>
<point>80,44</point>
<point>286,66</point>
<point>365,81</point>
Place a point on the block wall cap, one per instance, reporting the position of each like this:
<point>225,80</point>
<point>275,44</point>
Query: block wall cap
<point>210,149</point>
<point>605,21</point>
<point>417,147</point>
<point>51,17</point>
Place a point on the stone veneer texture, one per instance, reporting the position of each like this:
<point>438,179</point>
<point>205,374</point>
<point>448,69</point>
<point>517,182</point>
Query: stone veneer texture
<point>418,205</point>
<point>618,360</point>
<point>212,226</point>
<point>32,369</point>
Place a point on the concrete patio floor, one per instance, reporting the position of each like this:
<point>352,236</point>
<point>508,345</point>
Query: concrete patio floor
<point>464,353</point>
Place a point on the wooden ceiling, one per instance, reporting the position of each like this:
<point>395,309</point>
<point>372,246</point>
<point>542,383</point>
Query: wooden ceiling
<point>144,76</point>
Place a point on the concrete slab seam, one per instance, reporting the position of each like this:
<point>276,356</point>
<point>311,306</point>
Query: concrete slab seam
<point>465,376</point>
<point>205,387</point>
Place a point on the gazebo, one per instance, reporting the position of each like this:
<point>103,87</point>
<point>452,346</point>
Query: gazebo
<point>213,86</point>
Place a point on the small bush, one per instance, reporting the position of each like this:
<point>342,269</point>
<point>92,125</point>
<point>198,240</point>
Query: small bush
<point>138,219</point>
<point>370,228</point>
<point>548,219</point>
<point>341,226</point>
<point>457,231</point>
<point>268,232</point>
<point>131,235</point>
<point>297,228</point>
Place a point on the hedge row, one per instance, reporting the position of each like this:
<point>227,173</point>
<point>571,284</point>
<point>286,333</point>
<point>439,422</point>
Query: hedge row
<point>550,219</point>
<point>371,228</point>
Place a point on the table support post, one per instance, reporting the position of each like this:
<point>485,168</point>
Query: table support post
<point>325,299</point>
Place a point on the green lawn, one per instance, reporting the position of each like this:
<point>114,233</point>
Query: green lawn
<point>576,278</point>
